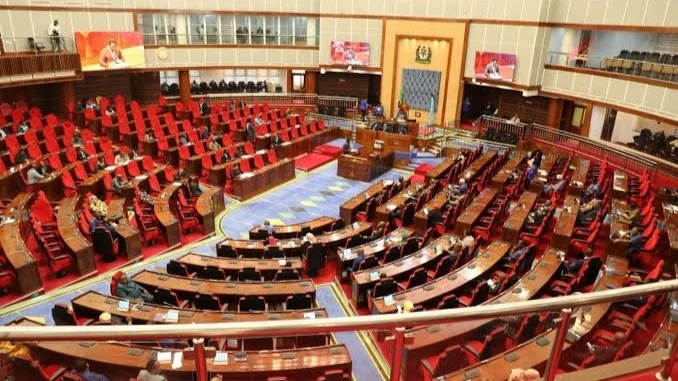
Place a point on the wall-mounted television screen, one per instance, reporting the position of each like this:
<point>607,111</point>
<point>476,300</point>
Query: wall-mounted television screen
<point>350,53</point>
<point>110,50</point>
<point>500,66</point>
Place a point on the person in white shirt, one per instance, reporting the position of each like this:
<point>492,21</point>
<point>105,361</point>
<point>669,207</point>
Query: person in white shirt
<point>468,240</point>
<point>258,120</point>
<point>33,175</point>
<point>3,134</point>
<point>151,373</point>
<point>54,32</point>
<point>122,158</point>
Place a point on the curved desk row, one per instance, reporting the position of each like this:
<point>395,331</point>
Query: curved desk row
<point>362,281</point>
<point>579,179</point>
<point>208,205</point>
<point>532,353</point>
<point>228,291</point>
<point>562,233</point>
<point>120,361</point>
<point>13,237</point>
<point>263,179</point>
<point>436,289</point>
<point>350,208</point>
<point>397,201</point>
<point>267,267</point>
<point>117,210</point>
<point>377,247</point>
<point>316,226</point>
<point>164,212</point>
<point>472,213</point>
<point>516,220</point>
<point>475,169</point>
<point>502,177</point>
<point>69,230</point>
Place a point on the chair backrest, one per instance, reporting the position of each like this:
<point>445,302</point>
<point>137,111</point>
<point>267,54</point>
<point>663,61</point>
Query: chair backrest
<point>249,274</point>
<point>102,241</point>
<point>298,302</point>
<point>165,296</point>
<point>252,303</point>
<point>384,287</point>
<point>449,301</point>
<point>62,316</point>
<point>207,302</point>
<point>212,272</point>
<point>176,268</point>
<point>417,278</point>
<point>450,361</point>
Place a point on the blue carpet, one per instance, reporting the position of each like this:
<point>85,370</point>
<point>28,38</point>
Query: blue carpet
<point>364,369</point>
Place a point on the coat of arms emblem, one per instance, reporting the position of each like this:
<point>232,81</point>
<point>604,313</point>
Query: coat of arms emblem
<point>423,55</point>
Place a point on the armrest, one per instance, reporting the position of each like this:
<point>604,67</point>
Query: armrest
<point>471,349</point>
<point>400,286</point>
<point>427,366</point>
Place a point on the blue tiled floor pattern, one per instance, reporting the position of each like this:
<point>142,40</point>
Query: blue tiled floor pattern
<point>305,194</point>
<point>364,368</point>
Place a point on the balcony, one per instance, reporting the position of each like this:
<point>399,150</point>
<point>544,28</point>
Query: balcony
<point>29,69</point>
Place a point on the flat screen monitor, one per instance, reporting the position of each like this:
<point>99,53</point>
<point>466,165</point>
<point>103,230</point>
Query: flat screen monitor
<point>110,50</point>
<point>350,53</point>
<point>499,66</point>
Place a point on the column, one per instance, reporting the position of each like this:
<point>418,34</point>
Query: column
<point>586,123</point>
<point>290,83</point>
<point>555,113</point>
<point>66,95</point>
<point>184,86</point>
<point>311,82</point>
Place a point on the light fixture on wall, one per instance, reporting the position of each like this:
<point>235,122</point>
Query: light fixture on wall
<point>322,70</point>
<point>350,67</point>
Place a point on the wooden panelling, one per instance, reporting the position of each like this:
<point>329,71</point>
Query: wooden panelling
<point>46,96</point>
<point>509,103</point>
<point>33,69</point>
<point>145,87</point>
<point>107,85</point>
<point>344,84</point>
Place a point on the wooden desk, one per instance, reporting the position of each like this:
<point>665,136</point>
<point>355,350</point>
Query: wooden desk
<point>516,220</point>
<point>229,292</point>
<point>91,304</point>
<point>208,205</point>
<point>316,226</point>
<point>421,217</point>
<point>473,212</point>
<point>267,267</point>
<point>397,202</point>
<point>365,167</point>
<point>392,142</point>
<point>562,233</point>
<point>163,211</point>
<point>441,170</point>
<point>427,341</point>
<point>339,237</point>
<point>531,354</point>
<point>477,167</point>
<point>377,247</point>
<point>431,292</point>
<point>543,173</point>
<point>620,247</point>
<point>129,235</point>
<point>350,208</point>
<point>256,248</point>
<point>11,183</point>
<point>117,358</point>
<point>502,177</point>
<point>67,223</point>
<point>620,184</point>
<point>264,179</point>
<point>579,177</point>
<point>361,281</point>
<point>94,184</point>
<point>13,240</point>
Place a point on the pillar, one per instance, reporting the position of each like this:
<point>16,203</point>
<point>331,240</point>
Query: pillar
<point>290,83</point>
<point>184,86</point>
<point>586,123</point>
<point>66,95</point>
<point>555,113</point>
<point>311,82</point>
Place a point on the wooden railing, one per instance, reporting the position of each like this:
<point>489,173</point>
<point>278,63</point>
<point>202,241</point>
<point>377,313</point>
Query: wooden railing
<point>39,68</point>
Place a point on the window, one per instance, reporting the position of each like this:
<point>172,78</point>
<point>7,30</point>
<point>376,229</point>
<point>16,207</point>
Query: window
<point>286,30</point>
<point>212,29</point>
<point>227,29</point>
<point>196,29</point>
<point>146,27</point>
<point>257,29</point>
<point>169,77</point>
<point>298,80</point>
<point>242,29</point>
<point>160,29</point>
<point>271,30</point>
<point>300,25</point>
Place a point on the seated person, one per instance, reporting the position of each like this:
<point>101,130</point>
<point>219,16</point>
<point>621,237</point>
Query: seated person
<point>574,265</point>
<point>121,158</point>
<point>181,175</point>
<point>204,133</point>
<point>21,157</point>
<point>81,154</point>
<point>82,368</point>
<point>101,222</point>
<point>268,227</point>
<point>77,140</point>
<point>524,375</point>
<point>235,171</point>
<point>214,145</point>
<point>258,120</point>
<point>518,250</point>
<point>276,140</point>
<point>110,111</point>
<point>239,152</point>
<point>359,258</point>
<point>536,217</point>
<point>225,156</point>
<point>468,240</point>
<point>149,137</point>
<point>435,217</point>
<point>460,189</point>
<point>398,212</point>
<point>456,251</point>
<point>101,164</point>
<point>589,210</point>
<point>603,354</point>
<point>118,184</point>
<point>591,192</point>
<point>151,373</point>
<point>131,290</point>
<point>194,187</point>
<point>530,174</point>
<point>33,175</point>
<point>635,242</point>
<point>632,217</point>
<point>376,232</point>
<point>347,146</point>
<point>22,128</point>
<point>97,207</point>
<point>183,140</point>
<point>44,169</point>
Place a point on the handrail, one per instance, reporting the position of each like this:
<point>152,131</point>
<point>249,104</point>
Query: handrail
<point>329,325</point>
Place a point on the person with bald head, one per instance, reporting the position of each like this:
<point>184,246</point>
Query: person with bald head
<point>128,289</point>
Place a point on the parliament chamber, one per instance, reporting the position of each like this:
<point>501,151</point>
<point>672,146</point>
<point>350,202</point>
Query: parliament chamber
<point>321,190</point>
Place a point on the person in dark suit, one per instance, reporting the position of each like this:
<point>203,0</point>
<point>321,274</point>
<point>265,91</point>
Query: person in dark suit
<point>239,152</point>
<point>235,171</point>
<point>251,133</point>
<point>275,140</point>
<point>81,154</point>
<point>434,217</point>
<point>204,107</point>
<point>21,157</point>
<point>347,146</point>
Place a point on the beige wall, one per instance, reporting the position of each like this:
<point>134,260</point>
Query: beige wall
<point>358,30</point>
<point>615,12</point>
<point>529,44</point>
<point>637,96</point>
<point>393,65</point>
<point>231,57</point>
